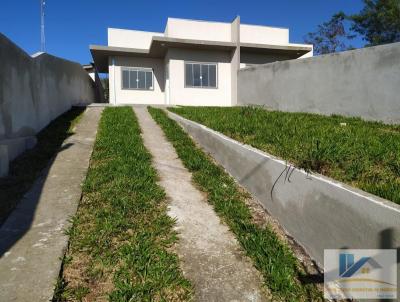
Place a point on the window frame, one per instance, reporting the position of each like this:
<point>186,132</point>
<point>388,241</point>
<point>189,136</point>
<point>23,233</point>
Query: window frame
<point>201,63</point>
<point>137,69</point>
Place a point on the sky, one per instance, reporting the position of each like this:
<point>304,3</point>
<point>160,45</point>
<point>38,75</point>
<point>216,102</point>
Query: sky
<point>72,25</point>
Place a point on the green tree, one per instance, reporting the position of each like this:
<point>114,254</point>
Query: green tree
<point>104,82</point>
<point>331,36</point>
<point>378,22</point>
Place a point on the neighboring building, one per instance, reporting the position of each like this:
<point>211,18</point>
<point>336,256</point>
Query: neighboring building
<point>91,70</point>
<point>191,63</point>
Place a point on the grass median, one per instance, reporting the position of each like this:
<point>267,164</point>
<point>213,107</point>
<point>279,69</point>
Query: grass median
<point>121,241</point>
<point>281,270</point>
<point>362,154</point>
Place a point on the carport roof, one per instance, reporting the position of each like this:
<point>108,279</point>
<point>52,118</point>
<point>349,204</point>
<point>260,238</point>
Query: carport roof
<point>159,46</point>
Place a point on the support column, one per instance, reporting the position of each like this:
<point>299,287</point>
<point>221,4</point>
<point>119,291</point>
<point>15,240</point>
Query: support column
<point>235,62</point>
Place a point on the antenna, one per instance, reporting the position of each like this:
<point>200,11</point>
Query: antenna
<point>42,36</point>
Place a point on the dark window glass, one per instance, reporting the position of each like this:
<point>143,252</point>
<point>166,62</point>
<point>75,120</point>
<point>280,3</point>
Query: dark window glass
<point>125,79</point>
<point>149,80</point>
<point>189,74</point>
<point>142,79</point>
<point>133,79</point>
<point>200,75</point>
<point>204,75</point>
<point>196,75</point>
<point>212,73</point>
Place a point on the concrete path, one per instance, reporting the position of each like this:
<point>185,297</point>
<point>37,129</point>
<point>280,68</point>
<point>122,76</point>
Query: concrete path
<point>32,239</point>
<point>210,255</point>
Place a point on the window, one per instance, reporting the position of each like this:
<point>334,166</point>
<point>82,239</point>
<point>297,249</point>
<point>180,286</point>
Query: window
<point>203,75</point>
<point>137,78</point>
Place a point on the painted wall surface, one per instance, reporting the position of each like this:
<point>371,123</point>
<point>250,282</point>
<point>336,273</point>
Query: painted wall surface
<point>35,90</point>
<point>318,212</point>
<point>130,38</point>
<point>131,96</point>
<point>263,35</point>
<point>198,30</point>
<point>363,82</point>
<point>181,95</point>
<point>250,59</point>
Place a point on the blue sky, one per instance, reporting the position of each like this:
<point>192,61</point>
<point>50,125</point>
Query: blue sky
<point>71,25</point>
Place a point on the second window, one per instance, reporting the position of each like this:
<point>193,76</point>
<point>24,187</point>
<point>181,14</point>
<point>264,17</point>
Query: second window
<point>203,75</point>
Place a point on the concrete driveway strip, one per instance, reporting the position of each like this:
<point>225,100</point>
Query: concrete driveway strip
<point>210,255</point>
<point>32,239</point>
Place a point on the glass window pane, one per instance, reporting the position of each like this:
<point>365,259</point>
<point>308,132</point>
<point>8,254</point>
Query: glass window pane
<point>125,79</point>
<point>204,75</point>
<point>212,76</point>
<point>196,75</point>
<point>133,79</point>
<point>149,80</point>
<point>142,79</point>
<point>189,74</point>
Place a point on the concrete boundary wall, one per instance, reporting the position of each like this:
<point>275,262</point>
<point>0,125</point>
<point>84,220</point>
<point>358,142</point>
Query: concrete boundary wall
<point>363,82</point>
<point>34,91</point>
<point>318,212</point>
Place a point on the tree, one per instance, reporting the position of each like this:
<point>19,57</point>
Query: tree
<point>378,22</point>
<point>104,83</point>
<point>330,36</point>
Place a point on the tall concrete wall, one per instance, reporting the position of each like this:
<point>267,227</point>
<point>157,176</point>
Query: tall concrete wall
<point>363,82</point>
<point>34,91</point>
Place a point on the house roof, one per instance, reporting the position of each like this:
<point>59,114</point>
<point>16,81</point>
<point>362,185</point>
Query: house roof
<point>159,46</point>
<point>158,49</point>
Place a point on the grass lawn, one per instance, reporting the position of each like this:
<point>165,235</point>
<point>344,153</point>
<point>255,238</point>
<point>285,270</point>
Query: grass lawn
<point>280,269</point>
<point>122,238</point>
<point>25,169</point>
<point>363,154</point>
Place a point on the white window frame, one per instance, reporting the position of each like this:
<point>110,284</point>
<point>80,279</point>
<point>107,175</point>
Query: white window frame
<point>144,69</point>
<point>201,63</point>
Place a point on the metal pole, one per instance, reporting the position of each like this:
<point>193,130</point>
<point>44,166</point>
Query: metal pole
<point>42,35</point>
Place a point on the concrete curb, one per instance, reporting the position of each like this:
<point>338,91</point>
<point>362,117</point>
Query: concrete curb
<point>33,239</point>
<point>320,213</point>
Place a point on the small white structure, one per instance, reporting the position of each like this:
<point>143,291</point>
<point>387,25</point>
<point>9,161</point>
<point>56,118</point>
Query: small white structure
<point>191,63</point>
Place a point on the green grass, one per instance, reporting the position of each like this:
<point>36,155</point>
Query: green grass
<point>122,238</point>
<point>25,169</point>
<point>276,262</point>
<point>363,154</point>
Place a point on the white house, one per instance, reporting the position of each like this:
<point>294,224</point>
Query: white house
<point>190,63</point>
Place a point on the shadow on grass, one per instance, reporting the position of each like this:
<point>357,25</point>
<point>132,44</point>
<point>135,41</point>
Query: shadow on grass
<point>30,166</point>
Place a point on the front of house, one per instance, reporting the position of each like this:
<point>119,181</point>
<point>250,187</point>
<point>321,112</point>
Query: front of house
<point>192,63</point>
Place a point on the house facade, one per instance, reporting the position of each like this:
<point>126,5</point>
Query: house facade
<point>192,63</point>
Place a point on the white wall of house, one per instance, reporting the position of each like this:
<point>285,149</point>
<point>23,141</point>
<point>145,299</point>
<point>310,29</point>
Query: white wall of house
<point>133,96</point>
<point>181,95</point>
<point>198,30</point>
<point>263,35</point>
<point>130,38</point>
<point>169,72</point>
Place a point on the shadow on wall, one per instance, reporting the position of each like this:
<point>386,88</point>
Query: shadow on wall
<point>35,90</point>
<point>29,168</point>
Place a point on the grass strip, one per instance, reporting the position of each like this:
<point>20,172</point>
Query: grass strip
<point>276,262</point>
<point>121,238</point>
<point>362,154</point>
<point>25,169</point>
